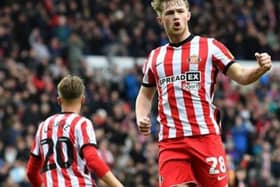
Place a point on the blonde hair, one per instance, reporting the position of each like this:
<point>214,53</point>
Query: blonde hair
<point>157,5</point>
<point>71,87</point>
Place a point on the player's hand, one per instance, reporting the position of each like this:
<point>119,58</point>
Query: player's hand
<point>144,125</point>
<point>264,61</point>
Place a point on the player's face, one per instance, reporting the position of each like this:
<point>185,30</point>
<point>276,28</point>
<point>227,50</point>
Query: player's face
<point>175,17</point>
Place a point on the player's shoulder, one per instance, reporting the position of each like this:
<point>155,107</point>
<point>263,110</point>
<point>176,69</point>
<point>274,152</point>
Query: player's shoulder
<point>158,48</point>
<point>49,118</point>
<point>213,40</point>
<point>80,118</point>
<point>154,52</point>
<point>84,119</point>
<point>204,38</point>
<point>63,116</point>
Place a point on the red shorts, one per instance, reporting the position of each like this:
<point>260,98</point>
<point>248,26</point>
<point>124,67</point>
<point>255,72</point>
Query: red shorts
<point>199,159</point>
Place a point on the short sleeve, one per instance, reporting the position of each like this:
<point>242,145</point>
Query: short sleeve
<point>84,133</point>
<point>148,75</point>
<point>221,56</point>
<point>35,149</point>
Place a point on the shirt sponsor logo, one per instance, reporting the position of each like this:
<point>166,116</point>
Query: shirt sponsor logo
<point>191,86</point>
<point>188,77</point>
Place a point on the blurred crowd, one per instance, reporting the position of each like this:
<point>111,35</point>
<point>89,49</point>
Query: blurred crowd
<point>129,27</point>
<point>42,41</point>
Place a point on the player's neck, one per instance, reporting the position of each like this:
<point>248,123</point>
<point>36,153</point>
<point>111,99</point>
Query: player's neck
<point>70,108</point>
<point>178,44</point>
<point>179,38</point>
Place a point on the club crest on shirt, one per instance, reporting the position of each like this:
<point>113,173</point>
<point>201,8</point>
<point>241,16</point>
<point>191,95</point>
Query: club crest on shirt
<point>194,59</point>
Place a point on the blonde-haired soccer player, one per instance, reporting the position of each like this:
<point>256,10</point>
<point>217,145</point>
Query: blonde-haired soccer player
<point>183,73</point>
<point>64,148</point>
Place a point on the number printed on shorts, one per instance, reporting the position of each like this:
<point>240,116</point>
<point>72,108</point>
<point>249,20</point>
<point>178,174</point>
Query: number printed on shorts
<point>215,161</point>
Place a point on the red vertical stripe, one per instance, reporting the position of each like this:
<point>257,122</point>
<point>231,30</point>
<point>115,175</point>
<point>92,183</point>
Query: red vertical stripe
<point>44,176</point>
<point>75,167</point>
<point>186,94</point>
<point>214,73</point>
<point>36,143</point>
<point>167,62</point>
<point>168,68</point>
<point>62,122</point>
<point>162,116</point>
<point>51,160</point>
<point>151,79</point>
<point>84,133</point>
<point>218,63</point>
<point>203,53</point>
<point>145,65</point>
<point>85,137</point>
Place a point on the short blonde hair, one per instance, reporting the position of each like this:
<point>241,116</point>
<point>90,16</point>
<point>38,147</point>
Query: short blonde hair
<point>157,5</point>
<point>71,87</point>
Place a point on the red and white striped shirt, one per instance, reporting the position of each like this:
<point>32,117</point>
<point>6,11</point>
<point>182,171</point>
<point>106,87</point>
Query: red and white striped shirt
<point>185,77</point>
<point>58,142</point>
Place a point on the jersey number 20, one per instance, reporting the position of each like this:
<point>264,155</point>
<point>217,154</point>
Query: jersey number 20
<point>48,165</point>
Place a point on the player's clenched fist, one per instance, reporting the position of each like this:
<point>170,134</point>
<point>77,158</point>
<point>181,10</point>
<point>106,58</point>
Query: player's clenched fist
<point>264,61</point>
<point>144,125</point>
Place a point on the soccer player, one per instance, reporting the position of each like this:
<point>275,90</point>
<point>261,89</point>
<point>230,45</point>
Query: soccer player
<point>64,147</point>
<point>183,73</point>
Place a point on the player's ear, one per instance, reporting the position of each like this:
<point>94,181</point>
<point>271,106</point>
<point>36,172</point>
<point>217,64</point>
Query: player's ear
<point>189,15</point>
<point>58,100</point>
<point>159,20</point>
<point>83,99</point>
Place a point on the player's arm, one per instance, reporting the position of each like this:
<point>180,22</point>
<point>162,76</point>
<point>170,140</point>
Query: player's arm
<point>247,75</point>
<point>143,108</point>
<point>33,168</point>
<point>96,164</point>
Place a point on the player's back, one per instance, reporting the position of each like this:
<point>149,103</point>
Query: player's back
<point>59,141</point>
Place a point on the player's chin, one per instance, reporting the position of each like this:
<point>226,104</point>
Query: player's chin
<point>146,133</point>
<point>177,31</point>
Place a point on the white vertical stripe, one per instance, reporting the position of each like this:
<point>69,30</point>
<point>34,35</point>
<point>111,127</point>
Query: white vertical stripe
<point>79,137</point>
<point>45,149</point>
<point>165,102</point>
<point>177,69</point>
<point>36,149</point>
<point>208,83</point>
<point>219,54</point>
<point>148,66</point>
<point>80,162</point>
<point>60,177</point>
<point>194,50</point>
<point>160,134</point>
<point>90,131</point>
<point>66,132</point>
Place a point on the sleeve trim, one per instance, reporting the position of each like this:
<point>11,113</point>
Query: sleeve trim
<point>227,66</point>
<point>148,85</point>
<point>36,156</point>
<point>81,149</point>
